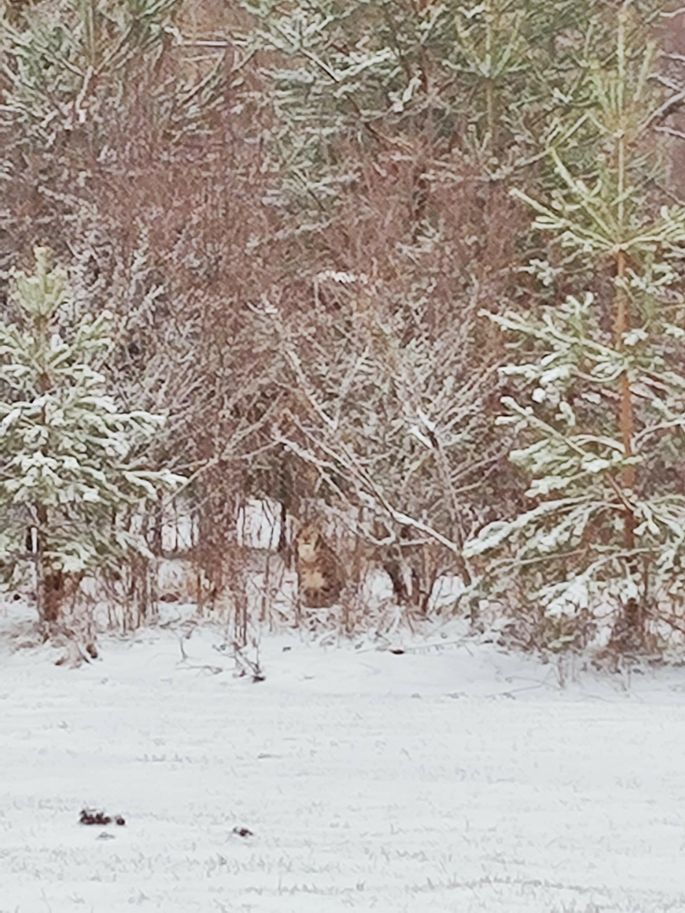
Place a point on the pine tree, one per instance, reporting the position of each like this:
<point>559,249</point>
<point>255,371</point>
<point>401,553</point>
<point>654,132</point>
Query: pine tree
<point>72,461</point>
<point>59,57</point>
<point>485,78</point>
<point>599,406</point>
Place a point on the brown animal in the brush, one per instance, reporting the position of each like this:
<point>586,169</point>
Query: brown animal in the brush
<point>319,574</point>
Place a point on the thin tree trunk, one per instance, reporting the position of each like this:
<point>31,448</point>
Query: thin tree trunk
<point>49,582</point>
<point>626,415</point>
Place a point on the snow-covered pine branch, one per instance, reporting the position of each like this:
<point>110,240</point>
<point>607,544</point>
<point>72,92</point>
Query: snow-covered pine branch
<point>596,375</point>
<point>72,461</point>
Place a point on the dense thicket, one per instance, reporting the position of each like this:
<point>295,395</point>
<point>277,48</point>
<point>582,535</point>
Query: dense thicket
<point>360,254</point>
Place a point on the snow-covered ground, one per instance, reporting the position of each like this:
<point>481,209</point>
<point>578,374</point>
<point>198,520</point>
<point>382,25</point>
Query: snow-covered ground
<point>447,780</point>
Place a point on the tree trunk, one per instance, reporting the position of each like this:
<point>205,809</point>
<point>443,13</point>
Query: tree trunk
<point>626,416</point>
<point>49,582</point>
<point>52,597</point>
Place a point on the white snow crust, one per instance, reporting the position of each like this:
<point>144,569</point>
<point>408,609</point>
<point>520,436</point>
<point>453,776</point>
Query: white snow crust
<point>450,779</point>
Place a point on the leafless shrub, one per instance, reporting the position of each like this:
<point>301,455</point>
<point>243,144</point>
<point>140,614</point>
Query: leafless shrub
<point>390,372</point>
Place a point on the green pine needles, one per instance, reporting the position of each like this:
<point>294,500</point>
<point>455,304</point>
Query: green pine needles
<point>599,404</point>
<point>486,78</point>
<point>72,461</point>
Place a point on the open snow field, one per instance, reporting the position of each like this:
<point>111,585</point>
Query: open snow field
<point>442,780</point>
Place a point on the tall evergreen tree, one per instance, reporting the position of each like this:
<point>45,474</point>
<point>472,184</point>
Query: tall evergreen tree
<point>599,407</point>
